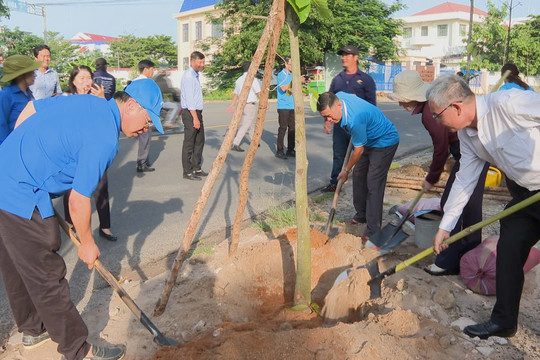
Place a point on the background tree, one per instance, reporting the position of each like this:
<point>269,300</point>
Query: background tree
<point>4,10</point>
<point>63,54</point>
<point>366,24</point>
<point>19,42</point>
<point>524,50</point>
<point>129,50</point>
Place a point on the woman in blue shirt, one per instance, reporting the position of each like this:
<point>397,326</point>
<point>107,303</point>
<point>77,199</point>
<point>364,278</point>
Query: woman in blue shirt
<point>513,81</point>
<point>81,82</point>
<point>19,71</point>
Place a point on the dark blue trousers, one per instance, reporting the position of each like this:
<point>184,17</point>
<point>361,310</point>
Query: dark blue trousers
<point>340,140</point>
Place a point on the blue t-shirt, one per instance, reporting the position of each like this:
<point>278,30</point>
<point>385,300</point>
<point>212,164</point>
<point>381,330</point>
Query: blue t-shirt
<point>284,101</point>
<point>511,85</point>
<point>12,102</point>
<point>366,123</point>
<point>67,144</point>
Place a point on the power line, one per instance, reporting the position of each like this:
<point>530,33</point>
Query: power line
<point>103,2</point>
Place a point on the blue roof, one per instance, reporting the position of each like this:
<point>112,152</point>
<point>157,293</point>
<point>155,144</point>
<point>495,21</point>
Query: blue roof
<point>188,5</point>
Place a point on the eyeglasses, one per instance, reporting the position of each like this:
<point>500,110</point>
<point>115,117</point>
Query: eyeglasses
<point>436,116</point>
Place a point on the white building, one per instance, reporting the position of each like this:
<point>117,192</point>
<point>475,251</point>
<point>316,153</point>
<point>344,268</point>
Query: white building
<point>93,42</point>
<point>437,34</point>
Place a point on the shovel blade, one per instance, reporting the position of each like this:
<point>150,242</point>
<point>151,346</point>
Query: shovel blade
<point>388,235</point>
<point>374,287</point>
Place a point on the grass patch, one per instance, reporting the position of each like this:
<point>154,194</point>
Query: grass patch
<point>323,197</point>
<point>203,249</point>
<point>283,216</point>
<point>218,95</point>
<point>395,165</point>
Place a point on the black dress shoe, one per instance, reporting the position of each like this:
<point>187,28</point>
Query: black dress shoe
<point>106,236</point>
<point>192,176</point>
<point>291,153</point>
<point>487,329</point>
<point>200,173</point>
<point>237,148</point>
<point>281,155</point>
<point>144,168</point>
<point>441,273</point>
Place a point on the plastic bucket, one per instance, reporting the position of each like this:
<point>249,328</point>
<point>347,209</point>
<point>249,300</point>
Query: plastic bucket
<point>425,227</point>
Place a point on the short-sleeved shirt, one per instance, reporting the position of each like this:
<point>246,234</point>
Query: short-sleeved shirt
<point>284,101</point>
<point>255,88</point>
<point>191,97</point>
<point>67,144</point>
<point>12,102</point>
<point>359,84</point>
<point>46,84</point>
<point>108,81</point>
<point>366,123</point>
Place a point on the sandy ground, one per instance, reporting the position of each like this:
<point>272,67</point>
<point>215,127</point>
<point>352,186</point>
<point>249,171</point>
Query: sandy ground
<point>238,307</point>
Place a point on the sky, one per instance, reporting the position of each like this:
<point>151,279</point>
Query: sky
<point>148,17</point>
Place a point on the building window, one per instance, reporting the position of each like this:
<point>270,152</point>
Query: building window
<point>198,30</point>
<point>462,29</point>
<point>185,32</point>
<point>217,30</point>
<point>407,33</point>
<point>442,30</point>
<point>424,31</point>
<point>185,63</point>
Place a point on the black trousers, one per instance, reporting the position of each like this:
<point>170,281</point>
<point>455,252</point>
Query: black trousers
<point>472,214</point>
<point>286,125</point>
<point>36,287</point>
<point>369,182</point>
<point>340,143</point>
<point>192,148</point>
<point>519,233</point>
<point>101,196</point>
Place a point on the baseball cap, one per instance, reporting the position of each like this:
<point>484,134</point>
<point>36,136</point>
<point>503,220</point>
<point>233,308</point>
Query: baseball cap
<point>146,92</point>
<point>348,49</point>
<point>101,62</point>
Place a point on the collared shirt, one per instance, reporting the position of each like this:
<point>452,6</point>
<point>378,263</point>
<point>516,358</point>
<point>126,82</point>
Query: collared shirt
<point>46,84</point>
<point>255,88</point>
<point>508,136</point>
<point>67,144</point>
<point>284,101</point>
<point>12,102</point>
<point>102,77</point>
<point>366,123</point>
<point>359,84</point>
<point>441,137</point>
<point>190,90</point>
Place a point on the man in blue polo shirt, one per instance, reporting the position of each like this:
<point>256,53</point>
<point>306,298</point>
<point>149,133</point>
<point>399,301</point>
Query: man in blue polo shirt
<point>60,143</point>
<point>375,140</point>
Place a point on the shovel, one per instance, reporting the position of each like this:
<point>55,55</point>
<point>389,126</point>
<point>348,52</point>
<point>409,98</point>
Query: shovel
<point>391,235</point>
<point>147,323</point>
<point>373,267</point>
<point>338,190</point>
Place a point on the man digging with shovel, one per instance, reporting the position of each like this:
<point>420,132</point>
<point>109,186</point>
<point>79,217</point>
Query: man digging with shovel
<point>375,140</point>
<point>502,128</point>
<point>60,143</point>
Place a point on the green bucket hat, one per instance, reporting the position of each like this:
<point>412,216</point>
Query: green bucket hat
<point>17,65</point>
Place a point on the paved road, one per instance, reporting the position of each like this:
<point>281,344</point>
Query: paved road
<point>150,211</point>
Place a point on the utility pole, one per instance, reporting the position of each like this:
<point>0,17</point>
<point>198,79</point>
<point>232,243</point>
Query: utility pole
<point>507,49</point>
<point>32,9</point>
<point>469,42</point>
<point>44,24</point>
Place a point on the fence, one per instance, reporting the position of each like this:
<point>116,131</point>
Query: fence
<point>384,75</point>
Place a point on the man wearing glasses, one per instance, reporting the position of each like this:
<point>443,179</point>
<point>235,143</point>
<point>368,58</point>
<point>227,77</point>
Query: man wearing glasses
<point>60,143</point>
<point>502,128</point>
<point>375,140</point>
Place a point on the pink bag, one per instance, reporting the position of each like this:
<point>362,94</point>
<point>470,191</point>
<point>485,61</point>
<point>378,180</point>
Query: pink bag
<point>477,266</point>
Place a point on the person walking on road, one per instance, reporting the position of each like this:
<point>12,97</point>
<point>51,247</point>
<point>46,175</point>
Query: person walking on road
<point>60,143</point>
<point>502,128</point>
<point>353,81</point>
<point>191,100</point>
<point>146,70</point>
<point>375,140</point>
<point>410,92</point>
<point>47,83</point>
<point>250,111</point>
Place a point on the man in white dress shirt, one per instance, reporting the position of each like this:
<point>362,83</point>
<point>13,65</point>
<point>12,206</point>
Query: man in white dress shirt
<point>502,128</point>
<point>250,111</point>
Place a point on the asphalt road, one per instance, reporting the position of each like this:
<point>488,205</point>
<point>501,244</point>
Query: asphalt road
<point>150,211</point>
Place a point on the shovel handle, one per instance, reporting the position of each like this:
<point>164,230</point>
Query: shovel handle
<point>402,265</point>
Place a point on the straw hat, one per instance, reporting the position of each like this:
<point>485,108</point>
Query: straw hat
<point>409,86</point>
<point>17,65</point>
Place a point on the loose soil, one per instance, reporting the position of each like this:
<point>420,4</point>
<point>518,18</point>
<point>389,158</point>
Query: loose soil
<point>238,307</point>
